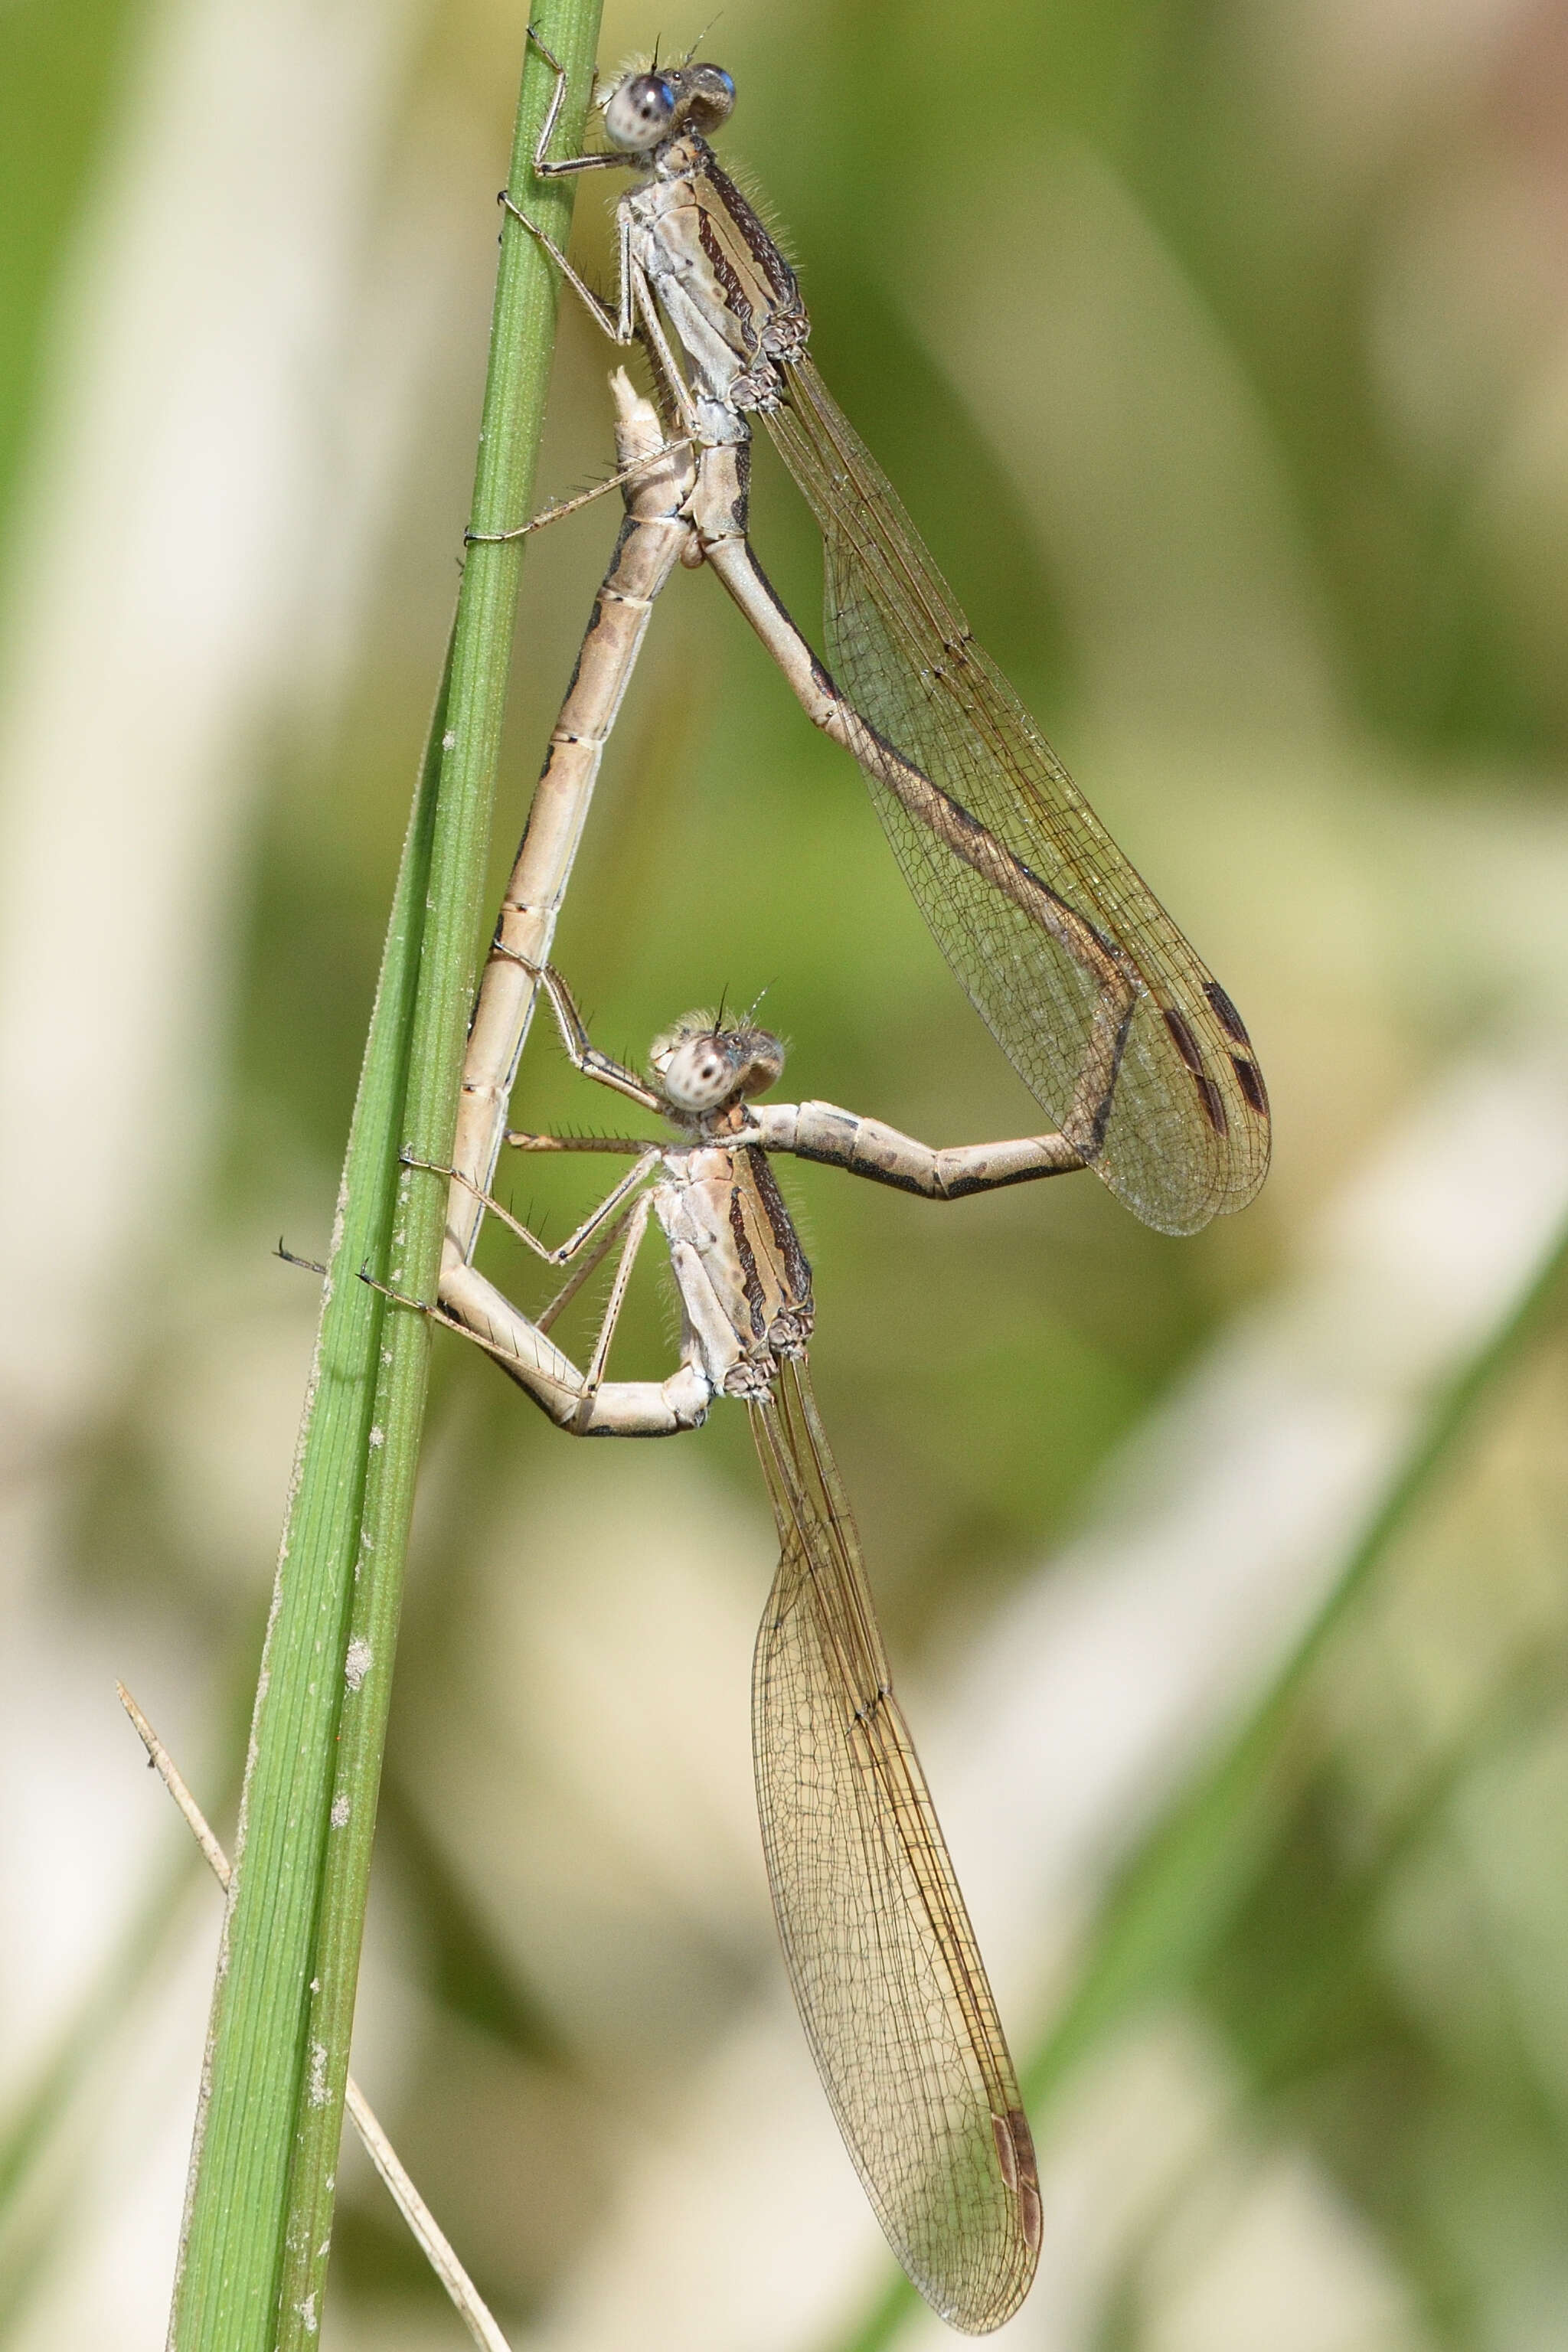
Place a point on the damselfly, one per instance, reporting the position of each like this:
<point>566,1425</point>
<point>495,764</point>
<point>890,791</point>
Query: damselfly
<point>1132,1046</point>
<point>881,1956</point>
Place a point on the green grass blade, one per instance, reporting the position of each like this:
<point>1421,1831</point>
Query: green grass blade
<point>260,2206</point>
<point>503,490</point>
<point>232,2246</point>
<point>1177,1895</point>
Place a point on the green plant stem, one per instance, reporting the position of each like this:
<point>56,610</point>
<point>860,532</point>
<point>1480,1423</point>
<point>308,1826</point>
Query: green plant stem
<point>232,2246</point>
<point>1180,1891</point>
<point>259,2205</point>
<point>522,337</point>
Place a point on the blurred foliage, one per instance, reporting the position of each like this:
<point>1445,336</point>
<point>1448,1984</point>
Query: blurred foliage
<point>1216,346</point>
<point>59,75</point>
<point>1387,1993</point>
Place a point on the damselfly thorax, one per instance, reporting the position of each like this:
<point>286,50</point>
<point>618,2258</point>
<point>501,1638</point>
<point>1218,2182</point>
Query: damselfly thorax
<point>743,1279</point>
<point>727,291</point>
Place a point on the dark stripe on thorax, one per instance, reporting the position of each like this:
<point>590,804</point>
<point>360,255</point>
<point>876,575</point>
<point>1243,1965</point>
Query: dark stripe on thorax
<point>797,1265</point>
<point>751,1279</point>
<point>723,269</point>
<point>780,277</point>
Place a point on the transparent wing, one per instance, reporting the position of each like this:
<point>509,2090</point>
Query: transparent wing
<point>881,1957</point>
<point>1112,1020</point>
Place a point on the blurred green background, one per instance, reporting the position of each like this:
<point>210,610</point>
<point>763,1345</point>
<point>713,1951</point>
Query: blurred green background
<point>1220,349</point>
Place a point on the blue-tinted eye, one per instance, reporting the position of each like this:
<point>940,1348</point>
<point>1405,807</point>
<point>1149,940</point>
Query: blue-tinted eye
<point>710,96</point>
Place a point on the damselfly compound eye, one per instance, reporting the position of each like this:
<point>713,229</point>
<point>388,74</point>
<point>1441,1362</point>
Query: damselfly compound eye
<point>698,1075</point>
<point>709,96</point>
<point>640,113</point>
<point>760,1057</point>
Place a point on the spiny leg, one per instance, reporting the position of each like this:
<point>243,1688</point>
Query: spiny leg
<point>636,1227</point>
<point>520,1138</point>
<point>619,322</point>
<point>583,1406</point>
<point>560,509</point>
<point>580,1052</point>
<point>567,1250</point>
<point>551,1313</point>
<point>634,313</point>
<point>505,1356</point>
<point>563,166</point>
<point>631,299</point>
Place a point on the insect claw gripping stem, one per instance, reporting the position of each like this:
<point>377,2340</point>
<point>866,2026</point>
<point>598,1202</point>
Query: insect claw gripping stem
<point>306,1265</point>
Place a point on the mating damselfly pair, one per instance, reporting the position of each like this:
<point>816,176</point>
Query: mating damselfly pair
<point>1134,1051</point>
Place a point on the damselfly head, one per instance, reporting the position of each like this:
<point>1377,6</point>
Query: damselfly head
<point>700,1067</point>
<point>647,106</point>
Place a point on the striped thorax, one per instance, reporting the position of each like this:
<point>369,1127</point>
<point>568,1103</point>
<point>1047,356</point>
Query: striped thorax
<point>699,248</point>
<point>743,1279</point>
